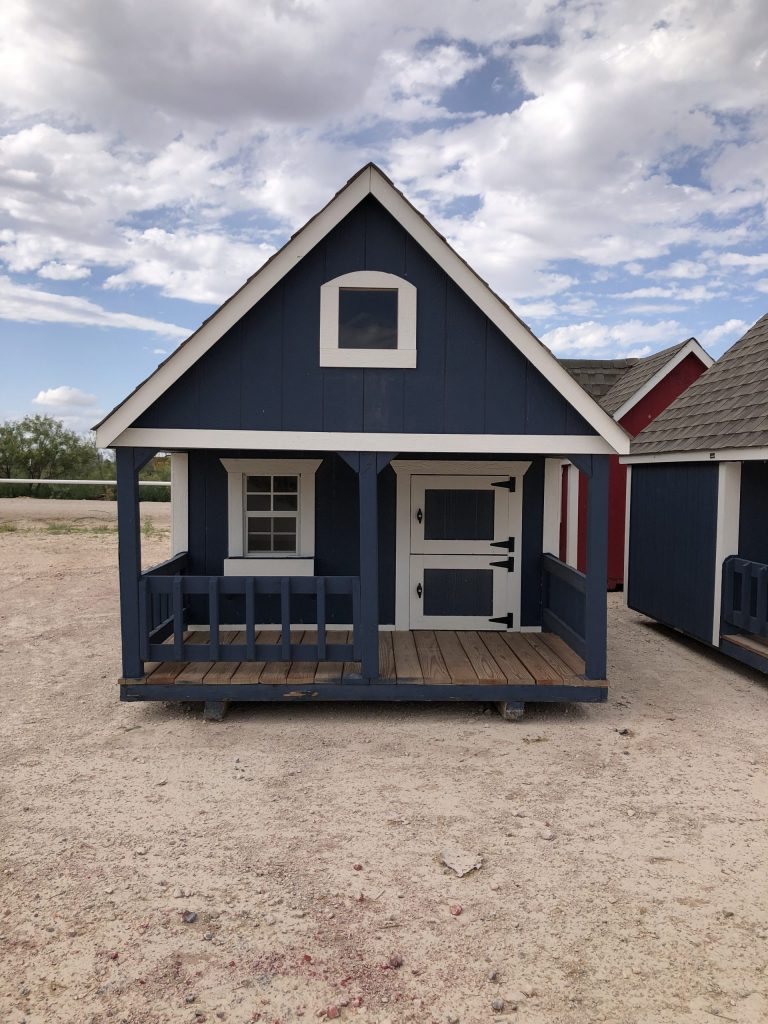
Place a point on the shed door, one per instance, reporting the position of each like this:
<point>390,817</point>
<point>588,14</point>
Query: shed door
<point>460,527</point>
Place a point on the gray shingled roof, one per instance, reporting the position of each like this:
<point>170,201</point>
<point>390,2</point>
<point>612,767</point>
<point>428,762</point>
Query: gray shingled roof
<point>727,407</point>
<point>638,375</point>
<point>598,376</point>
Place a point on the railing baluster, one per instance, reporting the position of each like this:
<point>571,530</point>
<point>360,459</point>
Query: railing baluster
<point>728,609</point>
<point>250,617</point>
<point>213,616</point>
<point>145,623</point>
<point>178,619</point>
<point>320,583</point>
<point>761,613</point>
<point>356,617</point>
<point>285,614</point>
<point>746,588</point>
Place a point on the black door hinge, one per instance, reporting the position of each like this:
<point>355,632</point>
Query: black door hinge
<point>508,544</point>
<point>508,564</point>
<point>507,620</point>
<point>509,484</point>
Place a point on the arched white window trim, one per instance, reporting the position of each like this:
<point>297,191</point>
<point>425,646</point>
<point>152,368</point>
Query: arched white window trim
<point>402,356</point>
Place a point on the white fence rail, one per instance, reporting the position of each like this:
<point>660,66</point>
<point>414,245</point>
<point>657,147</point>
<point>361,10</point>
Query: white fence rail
<point>82,483</point>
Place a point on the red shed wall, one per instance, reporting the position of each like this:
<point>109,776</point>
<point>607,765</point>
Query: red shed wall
<point>638,417</point>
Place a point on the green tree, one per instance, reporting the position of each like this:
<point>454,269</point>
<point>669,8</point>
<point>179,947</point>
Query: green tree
<point>40,447</point>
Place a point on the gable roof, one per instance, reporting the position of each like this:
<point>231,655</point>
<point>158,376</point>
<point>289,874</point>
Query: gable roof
<point>726,408</point>
<point>369,180</point>
<point>598,376</point>
<point>618,384</point>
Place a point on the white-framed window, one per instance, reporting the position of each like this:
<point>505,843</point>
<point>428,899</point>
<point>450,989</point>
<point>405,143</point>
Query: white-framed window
<point>368,319</point>
<point>271,517</point>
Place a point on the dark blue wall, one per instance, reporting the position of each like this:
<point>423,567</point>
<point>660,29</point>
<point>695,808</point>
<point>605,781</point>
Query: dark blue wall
<point>753,517</point>
<point>336,527</point>
<point>264,374</point>
<point>673,522</point>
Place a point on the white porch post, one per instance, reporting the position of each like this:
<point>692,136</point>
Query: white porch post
<point>727,536</point>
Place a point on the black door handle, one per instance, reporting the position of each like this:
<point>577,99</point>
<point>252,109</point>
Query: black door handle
<point>419,516</point>
<point>419,590</point>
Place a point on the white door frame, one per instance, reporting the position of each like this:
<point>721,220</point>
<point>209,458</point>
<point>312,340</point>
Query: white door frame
<point>406,468</point>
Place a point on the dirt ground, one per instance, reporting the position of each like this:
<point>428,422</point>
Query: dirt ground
<point>624,846</point>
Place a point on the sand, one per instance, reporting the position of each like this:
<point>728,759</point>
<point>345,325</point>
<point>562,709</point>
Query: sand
<point>624,845</point>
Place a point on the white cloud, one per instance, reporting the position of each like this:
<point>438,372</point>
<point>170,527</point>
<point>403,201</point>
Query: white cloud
<point>727,333</point>
<point>594,340</point>
<point>752,264</point>
<point>687,269</point>
<point>32,305</point>
<point>63,271</point>
<point>65,397</point>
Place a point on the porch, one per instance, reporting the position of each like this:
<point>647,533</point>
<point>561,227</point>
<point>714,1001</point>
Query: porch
<point>744,612</point>
<point>413,664</point>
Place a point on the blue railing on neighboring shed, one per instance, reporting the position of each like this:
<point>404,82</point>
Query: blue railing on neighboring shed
<point>165,592</point>
<point>745,595</point>
<point>564,602</point>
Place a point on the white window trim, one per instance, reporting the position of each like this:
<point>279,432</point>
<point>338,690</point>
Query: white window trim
<point>402,356</point>
<point>239,562</point>
<point>727,532</point>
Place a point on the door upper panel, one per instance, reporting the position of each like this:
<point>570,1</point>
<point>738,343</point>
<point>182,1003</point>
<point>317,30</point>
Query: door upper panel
<point>458,515</point>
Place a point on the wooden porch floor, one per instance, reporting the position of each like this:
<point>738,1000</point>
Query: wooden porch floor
<point>409,656</point>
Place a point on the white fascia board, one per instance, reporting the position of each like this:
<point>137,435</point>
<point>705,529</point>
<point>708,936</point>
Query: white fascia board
<point>692,347</point>
<point>716,455</point>
<point>496,311</point>
<point>369,181</point>
<point>294,440</point>
<point>233,310</point>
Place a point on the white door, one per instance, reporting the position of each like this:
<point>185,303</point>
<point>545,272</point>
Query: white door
<point>465,552</point>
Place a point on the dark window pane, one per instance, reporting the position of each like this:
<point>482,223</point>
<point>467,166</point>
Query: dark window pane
<point>458,515</point>
<point>259,542</point>
<point>458,592</point>
<point>285,502</point>
<point>284,542</point>
<point>284,524</point>
<point>367,318</point>
<point>286,483</point>
<point>257,503</point>
<point>260,484</point>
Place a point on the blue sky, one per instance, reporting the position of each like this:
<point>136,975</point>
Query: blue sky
<point>602,163</point>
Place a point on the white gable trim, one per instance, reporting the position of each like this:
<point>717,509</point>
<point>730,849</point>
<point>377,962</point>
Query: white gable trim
<point>691,347</point>
<point>370,181</point>
<point>759,454</point>
<point>162,439</point>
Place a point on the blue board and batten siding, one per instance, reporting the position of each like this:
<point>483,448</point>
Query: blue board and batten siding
<point>264,374</point>
<point>673,526</point>
<point>753,512</point>
<point>336,528</point>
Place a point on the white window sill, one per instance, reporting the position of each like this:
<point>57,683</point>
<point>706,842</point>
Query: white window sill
<point>371,358</point>
<point>294,565</point>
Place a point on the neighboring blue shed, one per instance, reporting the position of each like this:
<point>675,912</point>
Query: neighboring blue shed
<point>698,507</point>
<point>367,448</point>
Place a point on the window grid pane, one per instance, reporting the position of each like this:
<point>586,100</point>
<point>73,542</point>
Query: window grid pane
<point>267,533</point>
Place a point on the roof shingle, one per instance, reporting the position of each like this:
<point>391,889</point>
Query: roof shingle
<point>727,407</point>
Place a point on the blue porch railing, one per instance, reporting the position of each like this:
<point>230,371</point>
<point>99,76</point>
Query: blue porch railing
<point>745,595</point>
<point>165,594</point>
<point>564,602</point>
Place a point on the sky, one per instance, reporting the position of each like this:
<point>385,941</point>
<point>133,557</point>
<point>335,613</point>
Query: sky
<point>603,164</point>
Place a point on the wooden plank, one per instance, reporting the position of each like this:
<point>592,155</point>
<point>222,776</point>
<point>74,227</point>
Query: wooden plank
<point>304,671</point>
<point>456,661</point>
<point>510,664</point>
<point>407,666</point>
<point>566,653</point>
<point>251,671</point>
<point>748,643</point>
<point>197,671</point>
<point>332,671</point>
<point>277,671</point>
<point>539,667</point>
<point>482,660</point>
<point>167,671</point>
<point>386,656</point>
<point>222,671</point>
<point>433,667</point>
